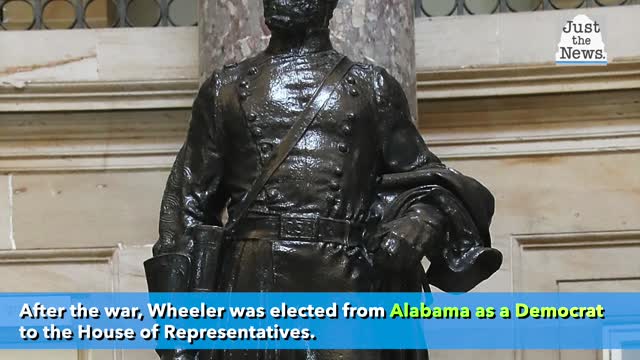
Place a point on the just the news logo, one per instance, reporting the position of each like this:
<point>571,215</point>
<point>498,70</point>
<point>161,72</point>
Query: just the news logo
<point>581,43</point>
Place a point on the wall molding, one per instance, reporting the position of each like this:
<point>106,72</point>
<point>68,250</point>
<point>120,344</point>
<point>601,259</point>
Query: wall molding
<point>521,243</point>
<point>82,162</point>
<point>464,114</point>
<point>92,140</point>
<point>504,109</point>
<point>528,146</point>
<point>548,241</point>
<point>530,111</point>
<point>526,80</point>
<point>17,96</point>
<point>97,99</point>
<point>80,255</point>
<point>108,256</point>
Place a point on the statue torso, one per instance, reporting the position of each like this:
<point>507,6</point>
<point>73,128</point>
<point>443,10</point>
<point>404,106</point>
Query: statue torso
<point>332,170</point>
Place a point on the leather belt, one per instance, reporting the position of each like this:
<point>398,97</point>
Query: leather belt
<point>298,228</point>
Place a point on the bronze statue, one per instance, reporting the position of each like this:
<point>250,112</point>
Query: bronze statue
<point>328,185</point>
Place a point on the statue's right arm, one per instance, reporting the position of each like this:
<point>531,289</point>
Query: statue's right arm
<point>192,195</point>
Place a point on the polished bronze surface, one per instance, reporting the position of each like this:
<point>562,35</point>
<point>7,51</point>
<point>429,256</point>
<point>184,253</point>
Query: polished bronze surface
<point>355,204</point>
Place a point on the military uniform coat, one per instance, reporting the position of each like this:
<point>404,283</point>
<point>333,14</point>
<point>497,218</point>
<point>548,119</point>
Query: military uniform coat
<point>239,116</point>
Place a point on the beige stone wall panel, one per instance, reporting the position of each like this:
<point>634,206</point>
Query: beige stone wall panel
<point>76,210</point>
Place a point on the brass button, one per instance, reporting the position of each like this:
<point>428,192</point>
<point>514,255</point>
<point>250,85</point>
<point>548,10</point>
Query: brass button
<point>347,130</point>
<point>351,116</point>
<point>252,117</point>
<point>253,71</point>
<point>354,92</point>
<point>343,148</point>
<point>338,171</point>
<point>257,131</point>
<point>244,84</point>
<point>351,80</point>
<point>266,147</point>
<point>334,186</point>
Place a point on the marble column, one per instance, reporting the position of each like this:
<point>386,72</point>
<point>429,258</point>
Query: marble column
<point>377,31</point>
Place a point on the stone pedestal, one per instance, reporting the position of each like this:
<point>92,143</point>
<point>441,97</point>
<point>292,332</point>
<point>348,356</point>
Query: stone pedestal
<point>377,31</point>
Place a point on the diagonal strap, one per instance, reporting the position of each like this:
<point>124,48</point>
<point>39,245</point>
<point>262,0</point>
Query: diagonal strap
<point>305,119</point>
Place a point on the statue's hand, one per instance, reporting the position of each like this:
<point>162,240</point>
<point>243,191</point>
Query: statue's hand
<point>406,240</point>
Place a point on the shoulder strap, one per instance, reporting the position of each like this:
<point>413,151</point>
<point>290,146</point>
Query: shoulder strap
<point>305,119</point>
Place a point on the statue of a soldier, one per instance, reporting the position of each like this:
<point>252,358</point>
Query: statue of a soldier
<point>328,185</point>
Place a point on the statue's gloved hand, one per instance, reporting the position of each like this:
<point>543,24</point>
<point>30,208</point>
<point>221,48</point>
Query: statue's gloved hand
<point>404,241</point>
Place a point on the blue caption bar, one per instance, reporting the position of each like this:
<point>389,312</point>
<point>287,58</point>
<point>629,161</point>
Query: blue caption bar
<point>319,321</point>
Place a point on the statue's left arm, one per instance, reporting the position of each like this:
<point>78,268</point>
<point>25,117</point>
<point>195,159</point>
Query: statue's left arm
<point>192,195</point>
<point>427,208</point>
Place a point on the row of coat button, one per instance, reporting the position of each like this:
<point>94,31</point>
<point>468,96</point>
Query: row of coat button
<point>342,147</point>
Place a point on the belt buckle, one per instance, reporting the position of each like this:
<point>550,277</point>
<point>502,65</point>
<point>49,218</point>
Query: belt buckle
<point>336,230</point>
<point>300,228</point>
